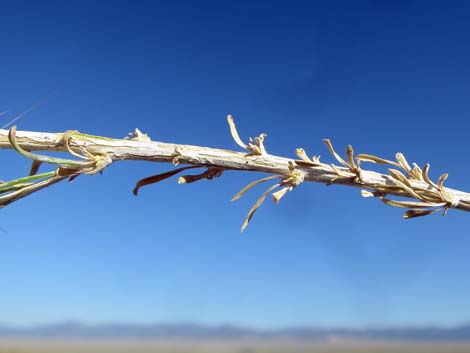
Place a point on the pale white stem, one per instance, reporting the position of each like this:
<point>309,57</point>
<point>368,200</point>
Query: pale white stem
<point>152,151</point>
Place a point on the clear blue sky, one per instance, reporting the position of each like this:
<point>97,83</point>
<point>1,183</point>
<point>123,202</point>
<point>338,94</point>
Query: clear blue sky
<point>385,77</point>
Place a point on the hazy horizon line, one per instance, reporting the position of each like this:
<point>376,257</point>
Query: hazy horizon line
<point>201,323</point>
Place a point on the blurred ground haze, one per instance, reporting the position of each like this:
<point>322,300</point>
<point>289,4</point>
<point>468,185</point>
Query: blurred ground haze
<point>240,346</point>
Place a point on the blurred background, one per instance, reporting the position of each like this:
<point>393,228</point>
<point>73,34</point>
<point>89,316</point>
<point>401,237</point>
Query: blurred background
<point>323,264</point>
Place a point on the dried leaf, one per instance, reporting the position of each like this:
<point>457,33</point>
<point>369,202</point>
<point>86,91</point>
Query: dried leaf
<point>28,190</point>
<point>46,159</point>
<point>426,176</point>
<point>407,188</point>
<point>250,185</point>
<point>411,204</point>
<point>307,164</point>
<point>350,155</point>
<point>367,193</point>
<point>14,187</point>
<point>336,155</point>
<point>403,162</point>
<point>417,172</point>
<point>256,206</point>
<point>373,159</point>
<point>418,213</point>
<point>234,132</point>
<point>277,196</point>
<point>210,173</point>
<point>300,152</point>
<point>335,169</point>
<point>34,167</point>
<point>260,143</point>
<point>63,171</point>
<point>442,178</point>
<point>316,159</point>
<point>23,182</point>
<point>159,177</point>
<point>397,175</point>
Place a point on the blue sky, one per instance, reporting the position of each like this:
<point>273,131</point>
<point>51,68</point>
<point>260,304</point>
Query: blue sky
<point>385,77</point>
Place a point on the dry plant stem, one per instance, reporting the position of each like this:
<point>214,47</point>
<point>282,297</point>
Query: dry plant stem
<point>152,151</point>
<point>415,185</point>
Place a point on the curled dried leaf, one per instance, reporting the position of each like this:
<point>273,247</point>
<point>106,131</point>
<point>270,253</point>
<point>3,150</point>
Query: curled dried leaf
<point>336,155</point>
<point>66,137</point>
<point>419,213</point>
<point>234,132</point>
<point>159,177</point>
<point>440,182</point>
<point>45,159</point>
<point>426,176</point>
<point>300,152</point>
<point>210,173</point>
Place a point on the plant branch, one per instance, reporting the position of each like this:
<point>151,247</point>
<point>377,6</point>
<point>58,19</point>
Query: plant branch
<point>413,186</point>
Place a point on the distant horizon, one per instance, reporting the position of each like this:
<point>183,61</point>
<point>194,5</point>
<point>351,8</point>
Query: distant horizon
<point>198,332</point>
<point>85,323</point>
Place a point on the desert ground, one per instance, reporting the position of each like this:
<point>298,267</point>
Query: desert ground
<point>143,346</point>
